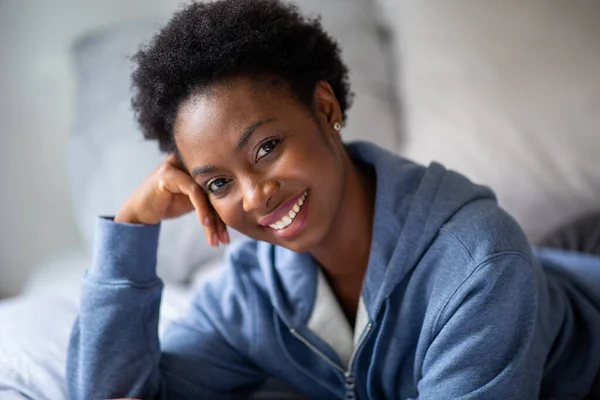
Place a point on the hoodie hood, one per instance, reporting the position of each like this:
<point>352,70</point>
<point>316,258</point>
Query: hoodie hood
<point>412,203</point>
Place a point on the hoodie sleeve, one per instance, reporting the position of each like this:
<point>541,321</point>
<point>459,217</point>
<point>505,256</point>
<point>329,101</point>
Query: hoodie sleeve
<point>114,350</point>
<point>486,345</point>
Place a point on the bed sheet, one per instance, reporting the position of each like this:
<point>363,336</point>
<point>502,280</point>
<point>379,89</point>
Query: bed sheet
<point>35,327</point>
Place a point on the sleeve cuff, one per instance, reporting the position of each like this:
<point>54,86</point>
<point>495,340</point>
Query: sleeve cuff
<point>124,252</point>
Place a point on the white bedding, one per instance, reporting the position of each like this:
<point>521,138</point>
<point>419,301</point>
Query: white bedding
<point>34,332</point>
<point>35,327</point>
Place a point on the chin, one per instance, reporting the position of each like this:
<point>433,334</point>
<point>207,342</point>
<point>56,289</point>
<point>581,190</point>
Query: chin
<point>295,246</point>
<point>300,244</point>
<point>303,243</point>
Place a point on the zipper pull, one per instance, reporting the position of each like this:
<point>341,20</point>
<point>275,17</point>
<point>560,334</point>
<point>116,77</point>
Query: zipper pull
<point>349,385</point>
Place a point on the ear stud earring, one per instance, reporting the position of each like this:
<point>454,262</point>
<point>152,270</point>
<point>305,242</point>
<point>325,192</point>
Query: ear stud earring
<point>337,126</point>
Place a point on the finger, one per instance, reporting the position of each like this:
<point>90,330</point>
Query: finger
<point>199,199</point>
<point>171,158</point>
<point>216,227</point>
<point>176,181</point>
<point>219,229</point>
<point>174,161</point>
<point>222,229</point>
<point>211,237</point>
<point>209,226</point>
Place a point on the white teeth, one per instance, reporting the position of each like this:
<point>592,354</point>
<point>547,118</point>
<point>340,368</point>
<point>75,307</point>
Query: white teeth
<point>289,218</point>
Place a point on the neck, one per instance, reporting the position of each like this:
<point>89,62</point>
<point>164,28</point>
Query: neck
<point>344,253</point>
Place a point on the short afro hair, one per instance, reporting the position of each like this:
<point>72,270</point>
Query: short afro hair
<point>206,43</point>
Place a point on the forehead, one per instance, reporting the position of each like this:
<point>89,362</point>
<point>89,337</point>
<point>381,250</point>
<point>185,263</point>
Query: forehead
<point>222,113</point>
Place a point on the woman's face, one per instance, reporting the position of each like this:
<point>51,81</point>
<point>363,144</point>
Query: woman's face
<point>271,169</point>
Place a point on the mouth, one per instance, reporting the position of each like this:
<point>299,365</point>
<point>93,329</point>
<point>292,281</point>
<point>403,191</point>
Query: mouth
<point>292,216</point>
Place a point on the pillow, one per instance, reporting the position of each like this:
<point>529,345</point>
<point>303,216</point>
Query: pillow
<point>108,157</point>
<point>507,93</point>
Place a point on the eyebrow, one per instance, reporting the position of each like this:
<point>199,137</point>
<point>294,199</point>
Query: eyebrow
<point>242,141</point>
<point>203,170</point>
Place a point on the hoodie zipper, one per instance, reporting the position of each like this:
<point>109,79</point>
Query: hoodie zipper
<point>348,375</point>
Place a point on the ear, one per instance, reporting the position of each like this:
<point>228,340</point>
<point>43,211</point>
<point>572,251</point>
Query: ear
<point>327,107</point>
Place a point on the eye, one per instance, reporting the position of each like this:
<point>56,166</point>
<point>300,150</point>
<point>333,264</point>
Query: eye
<point>266,148</point>
<point>215,186</point>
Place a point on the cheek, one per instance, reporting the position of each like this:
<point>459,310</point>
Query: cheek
<point>234,216</point>
<point>229,213</point>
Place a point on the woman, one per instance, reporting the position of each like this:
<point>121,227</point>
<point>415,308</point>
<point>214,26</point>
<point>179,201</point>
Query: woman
<point>367,275</point>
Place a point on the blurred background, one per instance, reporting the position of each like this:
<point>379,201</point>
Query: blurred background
<point>506,92</point>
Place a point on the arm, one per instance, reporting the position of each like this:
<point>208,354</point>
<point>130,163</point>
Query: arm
<point>114,350</point>
<point>487,344</point>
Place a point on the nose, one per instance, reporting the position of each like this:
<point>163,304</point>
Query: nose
<point>256,195</point>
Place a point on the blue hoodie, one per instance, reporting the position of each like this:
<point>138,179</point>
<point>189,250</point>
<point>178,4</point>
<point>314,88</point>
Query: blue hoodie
<point>454,305</point>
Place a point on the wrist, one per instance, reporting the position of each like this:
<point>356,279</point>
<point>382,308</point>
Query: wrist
<point>126,217</point>
<point>124,252</point>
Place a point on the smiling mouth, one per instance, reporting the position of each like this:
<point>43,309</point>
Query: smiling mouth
<point>291,215</point>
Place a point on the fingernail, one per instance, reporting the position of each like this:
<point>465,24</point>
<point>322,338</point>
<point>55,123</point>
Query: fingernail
<point>206,220</point>
<point>215,239</point>
<point>225,237</point>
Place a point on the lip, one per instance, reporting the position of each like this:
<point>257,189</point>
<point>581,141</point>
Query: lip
<point>280,211</point>
<point>297,224</point>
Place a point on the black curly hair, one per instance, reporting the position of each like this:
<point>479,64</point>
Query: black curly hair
<point>207,43</point>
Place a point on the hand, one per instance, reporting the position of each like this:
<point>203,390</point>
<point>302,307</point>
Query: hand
<point>169,192</point>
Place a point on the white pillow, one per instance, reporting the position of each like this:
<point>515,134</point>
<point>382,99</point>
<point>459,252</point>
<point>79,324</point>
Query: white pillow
<point>108,157</point>
<point>507,93</point>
